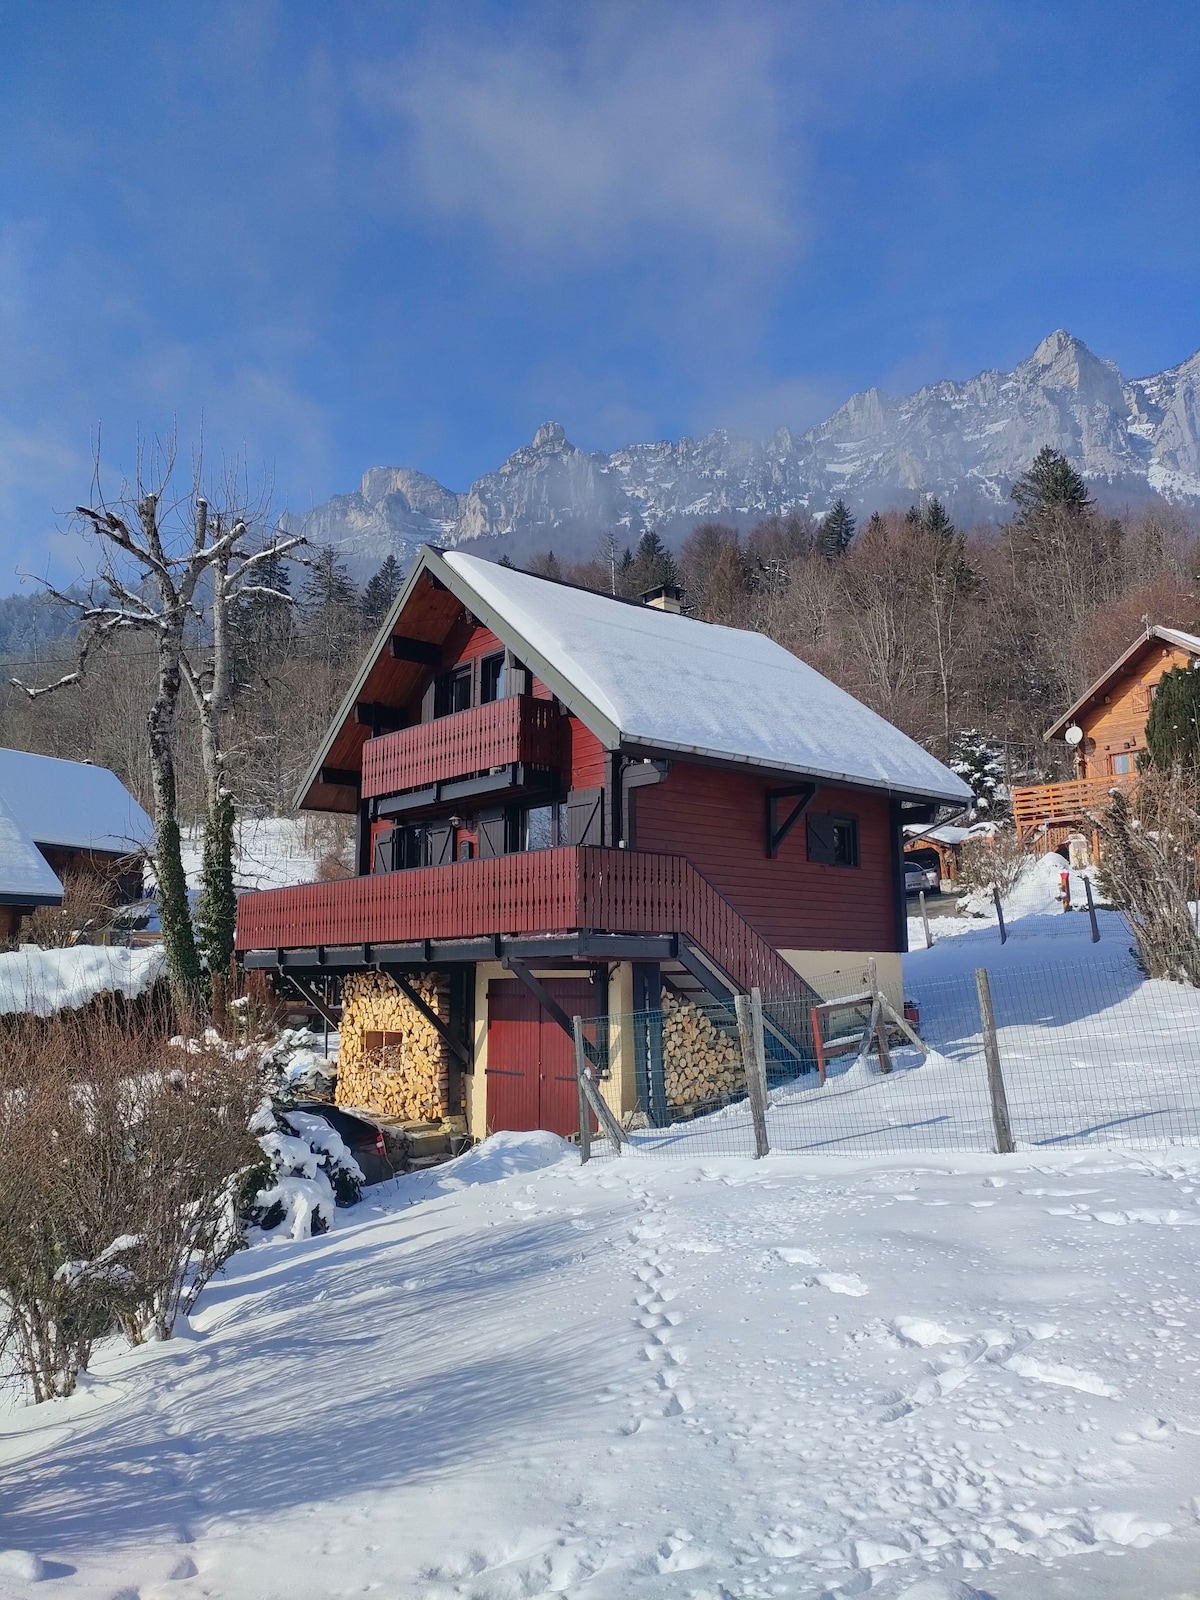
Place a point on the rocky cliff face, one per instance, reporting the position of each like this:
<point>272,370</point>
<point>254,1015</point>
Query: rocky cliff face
<point>965,442</point>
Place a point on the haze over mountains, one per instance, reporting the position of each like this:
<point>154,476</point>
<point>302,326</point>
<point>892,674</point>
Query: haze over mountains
<point>965,442</point>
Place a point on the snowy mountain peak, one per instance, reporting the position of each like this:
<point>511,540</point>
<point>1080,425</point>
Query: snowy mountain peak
<point>964,441</point>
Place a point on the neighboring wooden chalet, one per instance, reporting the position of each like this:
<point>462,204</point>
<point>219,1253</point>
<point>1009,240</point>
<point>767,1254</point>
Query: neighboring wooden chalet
<point>58,817</point>
<point>1105,731</point>
<point>569,804</point>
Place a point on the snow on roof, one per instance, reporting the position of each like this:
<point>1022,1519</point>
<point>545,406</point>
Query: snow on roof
<point>26,877</point>
<point>944,833</point>
<point>672,683</point>
<point>72,803</point>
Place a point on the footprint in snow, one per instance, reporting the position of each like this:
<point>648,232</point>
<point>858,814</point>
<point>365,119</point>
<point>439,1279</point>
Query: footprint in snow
<point>837,1283</point>
<point>923,1333</point>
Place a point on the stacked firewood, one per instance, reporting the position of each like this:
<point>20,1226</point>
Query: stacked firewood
<point>700,1062</point>
<point>392,1060</point>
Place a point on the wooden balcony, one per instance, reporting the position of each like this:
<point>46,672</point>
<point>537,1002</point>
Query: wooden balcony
<point>519,729</point>
<point>1061,803</point>
<point>540,892</point>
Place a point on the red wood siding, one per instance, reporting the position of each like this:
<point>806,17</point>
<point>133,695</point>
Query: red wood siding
<point>517,729</point>
<point>586,756</point>
<point>716,819</point>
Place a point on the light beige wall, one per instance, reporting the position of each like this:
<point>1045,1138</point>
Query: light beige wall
<point>833,973</point>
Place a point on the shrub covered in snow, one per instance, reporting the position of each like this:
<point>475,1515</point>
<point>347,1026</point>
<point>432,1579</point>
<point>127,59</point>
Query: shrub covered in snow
<point>295,1063</point>
<point>306,1172</point>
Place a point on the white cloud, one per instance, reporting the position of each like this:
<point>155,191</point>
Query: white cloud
<point>646,127</point>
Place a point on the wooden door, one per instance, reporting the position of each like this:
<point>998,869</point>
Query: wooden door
<point>531,1060</point>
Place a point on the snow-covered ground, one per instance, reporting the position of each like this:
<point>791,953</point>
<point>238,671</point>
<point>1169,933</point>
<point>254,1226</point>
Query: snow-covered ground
<point>42,981</point>
<point>269,852</point>
<point>804,1376</point>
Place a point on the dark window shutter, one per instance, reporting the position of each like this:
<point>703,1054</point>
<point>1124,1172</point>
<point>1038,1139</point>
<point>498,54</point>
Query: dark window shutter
<point>383,853</point>
<point>491,834</point>
<point>585,817</point>
<point>821,843</point>
<point>441,844</point>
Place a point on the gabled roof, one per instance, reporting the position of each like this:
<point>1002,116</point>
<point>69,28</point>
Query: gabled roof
<point>1172,636</point>
<point>26,878</point>
<point>72,804</point>
<point>647,679</point>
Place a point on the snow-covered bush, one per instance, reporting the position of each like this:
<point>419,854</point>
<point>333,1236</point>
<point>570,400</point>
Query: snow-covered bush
<point>991,860</point>
<point>119,1161</point>
<point>295,1063</point>
<point>306,1172</point>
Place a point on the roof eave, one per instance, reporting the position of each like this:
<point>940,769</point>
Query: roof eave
<point>789,769</point>
<point>1167,635</point>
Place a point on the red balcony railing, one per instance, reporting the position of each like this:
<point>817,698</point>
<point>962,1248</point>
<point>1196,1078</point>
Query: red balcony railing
<point>541,891</point>
<point>1065,802</point>
<point>519,728</point>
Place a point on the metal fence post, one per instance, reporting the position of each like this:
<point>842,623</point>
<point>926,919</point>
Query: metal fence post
<point>750,1032</point>
<point>1091,905</point>
<point>1000,915</point>
<point>925,920</point>
<point>585,1123</point>
<point>1001,1124</point>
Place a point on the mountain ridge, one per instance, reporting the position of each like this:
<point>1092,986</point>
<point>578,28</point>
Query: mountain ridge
<point>963,441</point>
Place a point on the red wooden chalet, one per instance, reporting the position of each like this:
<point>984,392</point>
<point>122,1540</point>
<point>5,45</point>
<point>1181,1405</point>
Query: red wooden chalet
<point>572,804</point>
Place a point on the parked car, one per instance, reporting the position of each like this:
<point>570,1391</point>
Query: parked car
<point>363,1139</point>
<point>917,877</point>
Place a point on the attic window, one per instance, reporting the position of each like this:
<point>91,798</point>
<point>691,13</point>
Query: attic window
<point>833,841</point>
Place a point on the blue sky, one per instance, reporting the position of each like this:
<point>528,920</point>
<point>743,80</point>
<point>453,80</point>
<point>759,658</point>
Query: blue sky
<point>341,235</point>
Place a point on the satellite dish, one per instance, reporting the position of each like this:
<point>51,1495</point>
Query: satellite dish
<point>1074,735</point>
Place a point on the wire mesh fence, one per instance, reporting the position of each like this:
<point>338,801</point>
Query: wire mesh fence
<point>1088,1052</point>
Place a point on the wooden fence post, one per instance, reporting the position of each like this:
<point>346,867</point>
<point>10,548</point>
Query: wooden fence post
<point>1000,914</point>
<point>925,920</point>
<point>585,1122</point>
<point>1001,1125</point>
<point>750,1034</point>
<point>1091,905</point>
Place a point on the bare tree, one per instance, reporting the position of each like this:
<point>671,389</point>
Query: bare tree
<point>154,553</point>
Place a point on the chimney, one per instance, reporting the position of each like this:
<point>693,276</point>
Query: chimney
<point>665,597</point>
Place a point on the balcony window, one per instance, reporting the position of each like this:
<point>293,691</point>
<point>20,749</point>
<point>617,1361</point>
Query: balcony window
<point>452,692</point>
<point>491,679</point>
<point>538,827</point>
<point>1121,763</point>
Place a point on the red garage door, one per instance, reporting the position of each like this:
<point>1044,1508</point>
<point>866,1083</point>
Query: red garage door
<point>530,1059</point>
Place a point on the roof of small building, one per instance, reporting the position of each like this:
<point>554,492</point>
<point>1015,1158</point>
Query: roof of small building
<point>72,804</point>
<point>26,877</point>
<point>1176,636</point>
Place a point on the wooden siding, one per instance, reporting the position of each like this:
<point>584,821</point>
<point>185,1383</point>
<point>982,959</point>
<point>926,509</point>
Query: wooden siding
<point>1115,723</point>
<point>542,891</point>
<point>586,756</point>
<point>467,742</point>
<point>717,819</point>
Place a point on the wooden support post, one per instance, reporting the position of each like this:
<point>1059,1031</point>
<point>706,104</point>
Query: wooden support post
<point>587,1083</point>
<point>818,1044</point>
<point>925,920</point>
<point>877,1024</point>
<point>1091,905</point>
<point>750,1034</point>
<point>585,1115</point>
<point>1000,914</point>
<point>1001,1125</point>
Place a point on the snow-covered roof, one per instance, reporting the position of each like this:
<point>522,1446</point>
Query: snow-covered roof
<point>26,877</point>
<point>72,803</point>
<point>1176,636</point>
<point>944,833</point>
<point>667,682</point>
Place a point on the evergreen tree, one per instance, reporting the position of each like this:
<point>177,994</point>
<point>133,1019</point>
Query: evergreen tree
<point>1050,484</point>
<point>836,532</point>
<point>652,565</point>
<point>331,607</point>
<point>263,625</point>
<point>328,584</point>
<point>381,590</point>
<point>979,762</point>
<point>546,566</point>
<point>1173,726</point>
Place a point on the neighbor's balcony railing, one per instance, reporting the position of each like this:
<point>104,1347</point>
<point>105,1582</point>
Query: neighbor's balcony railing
<point>1065,802</point>
<point>517,729</point>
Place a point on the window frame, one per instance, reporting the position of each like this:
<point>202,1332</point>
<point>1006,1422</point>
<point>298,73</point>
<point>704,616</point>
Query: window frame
<point>492,678</point>
<point>447,686</point>
<point>829,855</point>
